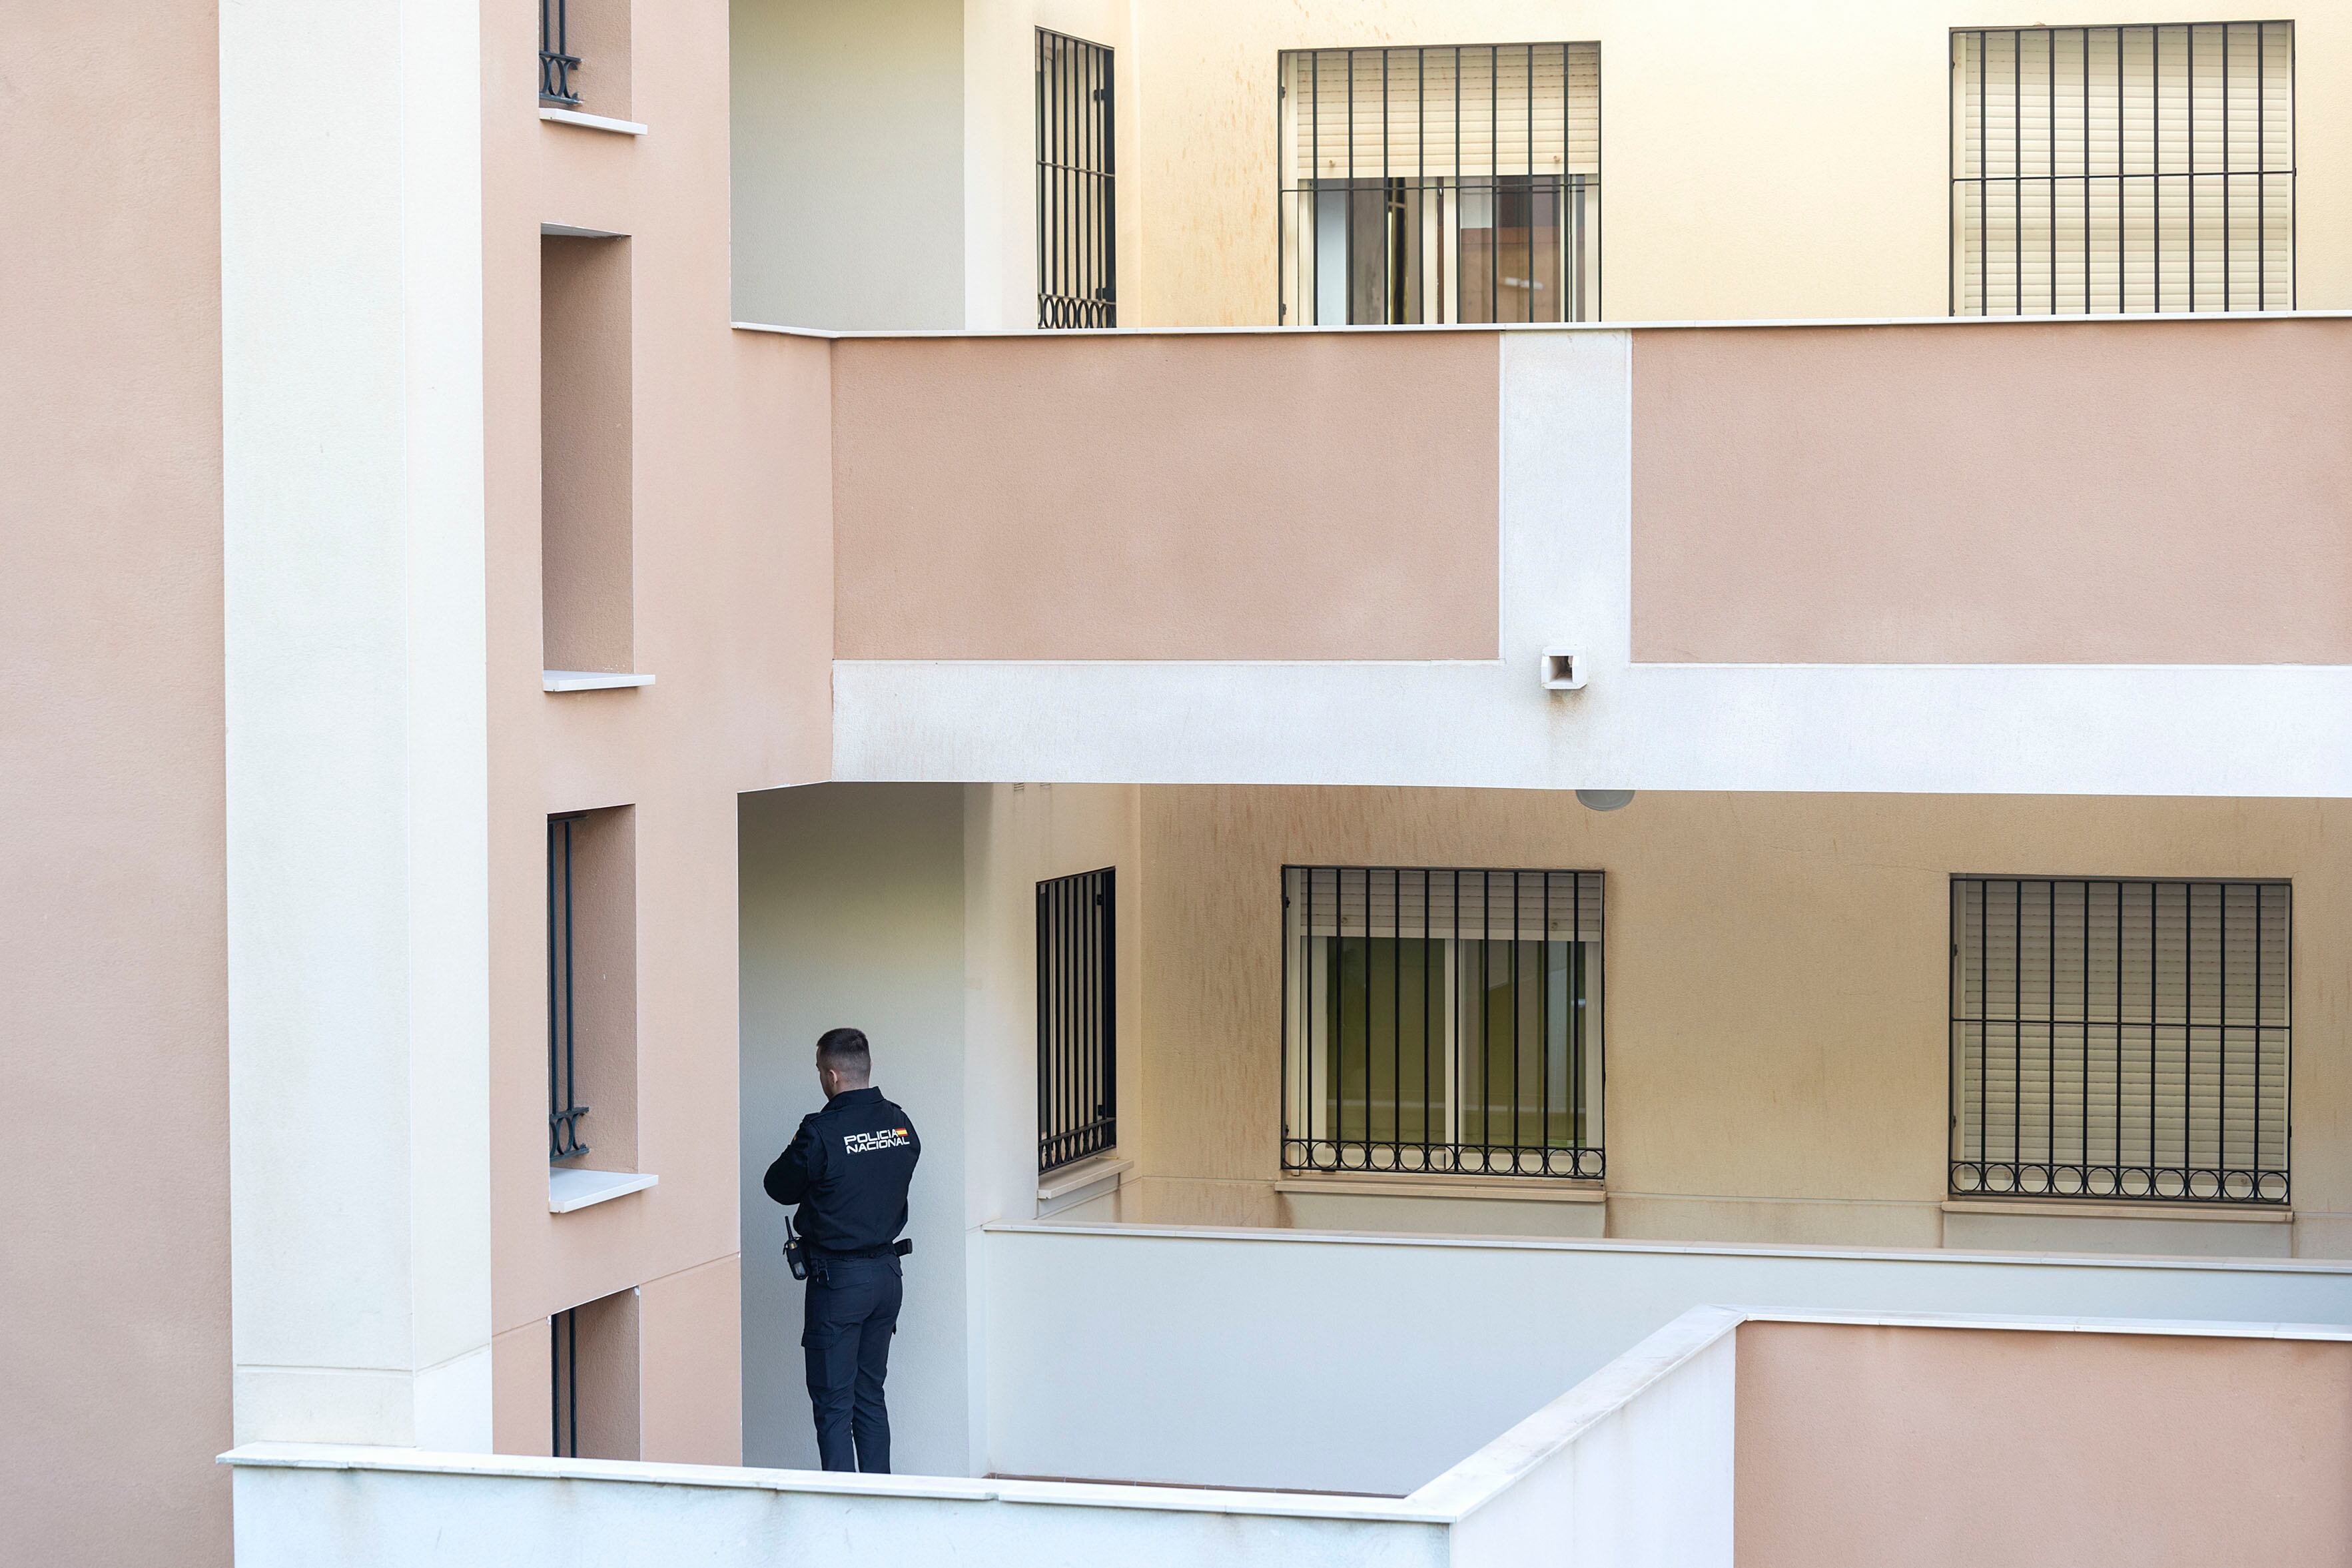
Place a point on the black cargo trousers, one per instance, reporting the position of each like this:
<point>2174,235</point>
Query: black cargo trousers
<point>852,1312</point>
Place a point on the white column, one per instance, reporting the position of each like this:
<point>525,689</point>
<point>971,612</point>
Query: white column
<point>352,413</point>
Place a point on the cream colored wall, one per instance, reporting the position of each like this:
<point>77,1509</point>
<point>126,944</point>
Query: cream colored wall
<point>999,103</point>
<point>1757,161</point>
<point>114,1269</point>
<point>848,163</point>
<point>1777,990</point>
<point>1015,836</point>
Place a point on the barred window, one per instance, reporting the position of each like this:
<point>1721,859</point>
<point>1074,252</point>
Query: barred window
<point>1454,183</point>
<point>1077,1017</point>
<point>2120,1039</point>
<point>1439,1020</point>
<point>2122,169</point>
<point>1077,206</point>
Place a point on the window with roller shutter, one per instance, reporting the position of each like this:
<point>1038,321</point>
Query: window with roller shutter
<point>2120,1039</point>
<point>2122,169</point>
<point>1440,184</point>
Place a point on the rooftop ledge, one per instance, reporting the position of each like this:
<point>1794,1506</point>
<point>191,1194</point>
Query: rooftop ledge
<point>591,121</point>
<point>568,1188</point>
<point>2137,318</point>
<point>589,680</point>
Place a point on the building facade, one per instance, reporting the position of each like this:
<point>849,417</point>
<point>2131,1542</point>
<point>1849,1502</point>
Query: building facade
<point>1579,771</point>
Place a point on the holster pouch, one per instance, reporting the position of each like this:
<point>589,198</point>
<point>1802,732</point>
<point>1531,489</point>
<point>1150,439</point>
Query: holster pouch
<point>902,1246</point>
<point>796,1252</point>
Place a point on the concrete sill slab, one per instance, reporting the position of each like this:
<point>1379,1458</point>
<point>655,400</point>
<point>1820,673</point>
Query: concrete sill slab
<point>1084,1173</point>
<point>2240,1213</point>
<point>592,122</point>
<point>568,1189</point>
<point>1414,1184</point>
<point>589,680</point>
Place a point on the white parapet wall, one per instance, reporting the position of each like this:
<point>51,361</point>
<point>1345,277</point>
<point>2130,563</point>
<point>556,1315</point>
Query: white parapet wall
<point>1642,1465</point>
<point>1371,1364</point>
<point>1632,1469</point>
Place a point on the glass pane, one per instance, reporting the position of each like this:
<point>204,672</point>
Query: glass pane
<point>1384,1072</point>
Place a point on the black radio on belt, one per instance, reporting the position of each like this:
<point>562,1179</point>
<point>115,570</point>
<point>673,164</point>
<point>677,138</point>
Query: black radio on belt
<point>795,1251</point>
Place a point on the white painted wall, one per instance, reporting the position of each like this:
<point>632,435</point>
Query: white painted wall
<point>357,768</point>
<point>908,911</point>
<point>853,914</point>
<point>368,1510</point>
<point>1360,1364</point>
<point>847,130</point>
<point>1566,580</point>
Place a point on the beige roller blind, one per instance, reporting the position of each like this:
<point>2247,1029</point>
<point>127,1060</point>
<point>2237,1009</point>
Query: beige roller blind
<point>2122,169</point>
<point>1412,902</point>
<point>1439,113</point>
<point>2120,1038</point>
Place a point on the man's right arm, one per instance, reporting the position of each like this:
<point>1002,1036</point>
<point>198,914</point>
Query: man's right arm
<point>788,1179</point>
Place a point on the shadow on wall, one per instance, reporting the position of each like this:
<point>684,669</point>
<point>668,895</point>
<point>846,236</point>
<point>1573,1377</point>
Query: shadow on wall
<point>851,911</point>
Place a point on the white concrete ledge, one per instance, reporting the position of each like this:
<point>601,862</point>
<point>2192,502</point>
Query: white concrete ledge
<point>1084,1173</point>
<point>569,1189</point>
<point>589,680</point>
<point>592,122</point>
<point>1282,1236</point>
<point>1381,1184</point>
<point>949,1489</point>
<point>2061,1208</point>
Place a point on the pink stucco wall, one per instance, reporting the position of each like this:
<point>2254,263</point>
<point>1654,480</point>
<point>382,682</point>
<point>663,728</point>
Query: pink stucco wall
<point>114,1311</point>
<point>1242,496</point>
<point>729,574</point>
<point>2068,492</point>
<point>1862,1446</point>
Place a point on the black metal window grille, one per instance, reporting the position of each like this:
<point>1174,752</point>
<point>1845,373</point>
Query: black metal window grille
<point>556,60</point>
<point>1442,1020</point>
<point>2122,169</point>
<point>1433,185</point>
<point>563,1108</point>
<point>1077,218</point>
<point>563,1383</point>
<point>2120,1039</point>
<point>1077,1018</point>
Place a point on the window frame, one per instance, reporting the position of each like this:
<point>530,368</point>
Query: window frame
<point>2157,175</point>
<point>1305,1148</point>
<point>1575,194</point>
<point>2016,1178</point>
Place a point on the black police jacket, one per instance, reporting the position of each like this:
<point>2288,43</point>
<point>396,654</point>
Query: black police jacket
<point>848,1168</point>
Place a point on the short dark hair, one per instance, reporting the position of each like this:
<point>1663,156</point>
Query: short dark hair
<point>844,1051</point>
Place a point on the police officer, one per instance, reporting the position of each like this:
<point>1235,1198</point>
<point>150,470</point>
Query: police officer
<point>847,1168</point>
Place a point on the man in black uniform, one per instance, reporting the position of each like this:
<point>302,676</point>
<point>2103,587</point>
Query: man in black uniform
<point>847,1168</point>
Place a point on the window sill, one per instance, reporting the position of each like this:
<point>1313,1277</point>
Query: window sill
<point>1090,1172</point>
<point>569,1189</point>
<point>1516,1189</point>
<point>589,680</point>
<point>2242,1213</point>
<point>592,122</point>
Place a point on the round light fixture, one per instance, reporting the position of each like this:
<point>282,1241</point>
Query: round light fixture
<point>1605,799</point>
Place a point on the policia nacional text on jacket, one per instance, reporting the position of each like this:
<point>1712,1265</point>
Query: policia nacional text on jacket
<point>848,1168</point>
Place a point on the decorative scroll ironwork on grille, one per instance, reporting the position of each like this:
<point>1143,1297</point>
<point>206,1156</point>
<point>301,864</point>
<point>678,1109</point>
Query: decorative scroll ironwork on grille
<point>2122,169</point>
<point>2120,1039</point>
<point>563,1108</point>
<point>564,1383</point>
<point>1442,1021</point>
<point>1077,1018</point>
<point>1440,185</point>
<point>1078,217</point>
<point>556,60</point>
